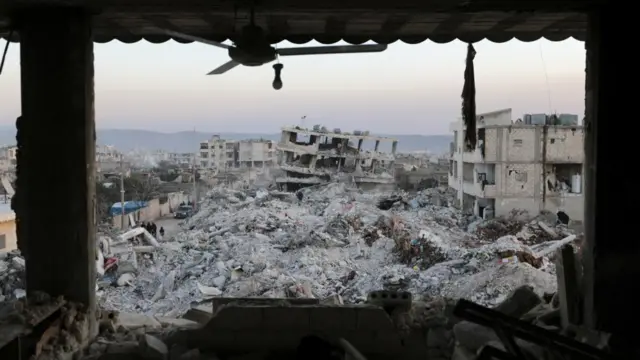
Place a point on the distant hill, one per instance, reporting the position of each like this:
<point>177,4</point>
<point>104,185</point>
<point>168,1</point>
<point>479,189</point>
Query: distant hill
<point>187,141</point>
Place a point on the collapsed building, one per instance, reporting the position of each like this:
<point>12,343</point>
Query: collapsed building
<point>317,156</point>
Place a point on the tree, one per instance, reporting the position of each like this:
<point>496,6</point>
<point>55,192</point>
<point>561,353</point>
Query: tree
<point>141,188</point>
<point>106,195</point>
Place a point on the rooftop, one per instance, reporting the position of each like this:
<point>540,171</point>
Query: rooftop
<point>342,135</point>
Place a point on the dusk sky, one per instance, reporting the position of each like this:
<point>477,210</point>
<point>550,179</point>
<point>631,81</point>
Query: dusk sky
<point>408,89</point>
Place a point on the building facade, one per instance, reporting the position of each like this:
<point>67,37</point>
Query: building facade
<point>256,153</point>
<point>217,153</point>
<point>8,158</point>
<point>309,157</point>
<point>182,159</point>
<point>519,165</point>
<point>8,238</point>
<point>221,154</point>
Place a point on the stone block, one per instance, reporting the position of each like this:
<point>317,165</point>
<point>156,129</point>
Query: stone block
<point>388,342</point>
<point>136,321</point>
<point>268,339</point>
<point>439,337</point>
<point>153,348</point>
<point>374,319</point>
<point>178,323</point>
<point>237,318</point>
<point>219,340</point>
<point>364,341</point>
<point>415,343</point>
<point>333,318</point>
<point>287,318</point>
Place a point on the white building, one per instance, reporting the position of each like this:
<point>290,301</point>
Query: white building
<point>531,165</point>
<point>8,158</point>
<point>256,153</point>
<point>220,154</point>
<point>182,159</point>
<point>217,153</point>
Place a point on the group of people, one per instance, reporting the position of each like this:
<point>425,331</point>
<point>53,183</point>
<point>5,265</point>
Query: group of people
<point>153,230</point>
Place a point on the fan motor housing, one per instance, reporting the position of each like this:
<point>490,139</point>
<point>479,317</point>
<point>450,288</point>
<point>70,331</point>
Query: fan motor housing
<point>258,55</point>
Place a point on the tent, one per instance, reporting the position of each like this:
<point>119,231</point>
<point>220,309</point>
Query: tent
<point>129,207</point>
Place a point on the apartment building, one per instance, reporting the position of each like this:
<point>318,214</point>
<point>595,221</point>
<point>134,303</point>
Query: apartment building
<point>256,153</point>
<point>217,153</point>
<point>309,157</point>
<point>220,154</point>
<point>532,164</point>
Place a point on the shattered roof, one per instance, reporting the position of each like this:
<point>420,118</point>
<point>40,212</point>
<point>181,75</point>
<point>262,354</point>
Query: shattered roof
<point>358,21</point>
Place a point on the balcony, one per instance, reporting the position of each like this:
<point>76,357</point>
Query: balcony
<point>476,189</point>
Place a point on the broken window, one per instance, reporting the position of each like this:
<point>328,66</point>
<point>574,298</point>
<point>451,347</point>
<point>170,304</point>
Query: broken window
<point>481,136</point>
<point>564,178</point>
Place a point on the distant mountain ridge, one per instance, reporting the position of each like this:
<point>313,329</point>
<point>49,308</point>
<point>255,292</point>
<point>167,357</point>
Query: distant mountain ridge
<point>187,141</point>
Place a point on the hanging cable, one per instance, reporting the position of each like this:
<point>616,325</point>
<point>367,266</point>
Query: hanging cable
<point>4,53</point>
<point>546,76</point>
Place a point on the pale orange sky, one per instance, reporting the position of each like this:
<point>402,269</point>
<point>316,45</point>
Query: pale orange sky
<point>409,89</point>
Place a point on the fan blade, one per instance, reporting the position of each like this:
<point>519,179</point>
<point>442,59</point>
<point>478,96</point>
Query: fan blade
<point>339,49</point>
<point>224,68</point>
<point>180,35</point>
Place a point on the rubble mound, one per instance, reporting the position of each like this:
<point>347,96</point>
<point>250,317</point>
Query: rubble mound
<point>334,241</point>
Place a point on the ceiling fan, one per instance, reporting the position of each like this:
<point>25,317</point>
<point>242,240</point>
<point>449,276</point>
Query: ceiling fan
<point>252,48</point>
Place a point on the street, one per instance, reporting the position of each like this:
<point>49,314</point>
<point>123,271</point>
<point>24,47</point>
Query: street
<point>171,226</point>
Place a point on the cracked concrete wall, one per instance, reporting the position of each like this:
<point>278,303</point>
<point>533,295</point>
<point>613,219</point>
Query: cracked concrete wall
<point>565,145</point>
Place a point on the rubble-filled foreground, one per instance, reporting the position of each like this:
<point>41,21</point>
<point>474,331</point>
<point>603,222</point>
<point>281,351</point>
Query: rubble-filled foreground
<point>335,240</point>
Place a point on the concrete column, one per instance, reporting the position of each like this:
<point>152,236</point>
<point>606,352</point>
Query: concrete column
<point>55,200</point>
<point>610,259</point>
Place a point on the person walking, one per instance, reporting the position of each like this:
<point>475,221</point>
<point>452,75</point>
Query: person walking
<point>161,232</point>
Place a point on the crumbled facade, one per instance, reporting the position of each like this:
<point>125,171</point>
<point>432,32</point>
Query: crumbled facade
<point>519,165</point>
<point>311,157</point>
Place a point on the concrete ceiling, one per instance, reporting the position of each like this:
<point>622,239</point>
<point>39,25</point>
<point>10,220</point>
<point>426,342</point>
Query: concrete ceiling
<point>329,21</point>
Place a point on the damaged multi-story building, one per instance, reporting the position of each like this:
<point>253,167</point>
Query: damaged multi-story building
<point>533,164</point>
<point>315,156</point>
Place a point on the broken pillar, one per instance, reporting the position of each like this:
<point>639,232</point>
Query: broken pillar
<point>55,192</point>
<point>610,260</point>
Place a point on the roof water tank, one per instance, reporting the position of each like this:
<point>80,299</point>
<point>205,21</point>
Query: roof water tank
<point>576,183</point>
<point>357,132</point>
<point>568,119</point>
<point>527,119</point>
<point>538,119</point>
<point>316,127</point>
<point>337,130</point>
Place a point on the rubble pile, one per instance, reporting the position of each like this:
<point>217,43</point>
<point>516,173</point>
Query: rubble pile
<point>529,231</point>
<point>332,240</point>
<point>328,240</point>
<point>12,284</point>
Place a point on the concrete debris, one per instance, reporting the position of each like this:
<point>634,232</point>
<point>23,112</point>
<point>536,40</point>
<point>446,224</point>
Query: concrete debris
<point>335,243</point>
<point>525,304</point>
